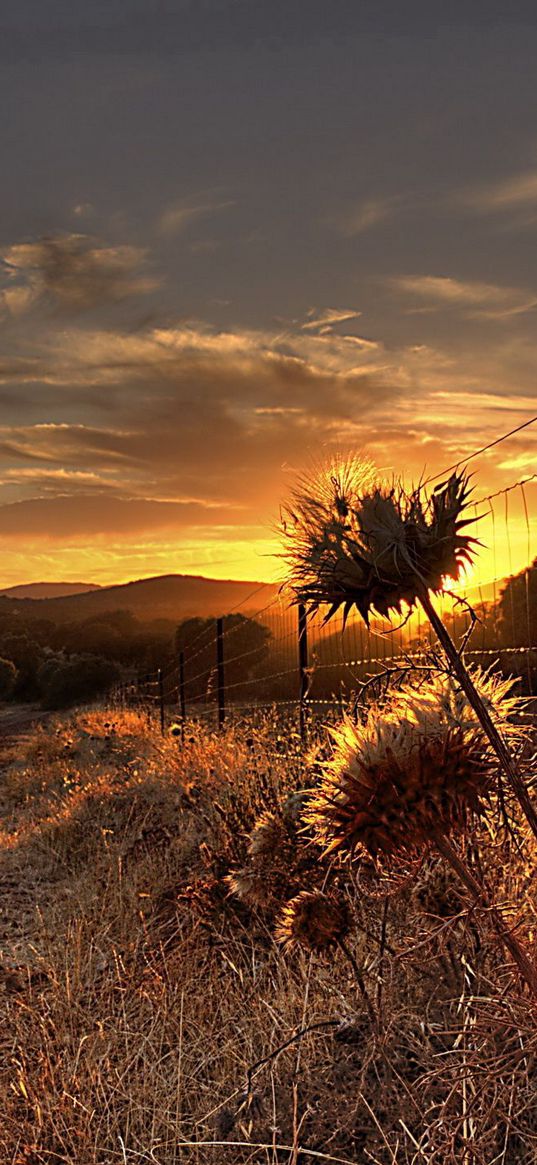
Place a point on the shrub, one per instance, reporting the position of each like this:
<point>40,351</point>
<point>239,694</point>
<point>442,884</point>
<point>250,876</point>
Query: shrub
<point>77,680</point>
<point>8,678</point>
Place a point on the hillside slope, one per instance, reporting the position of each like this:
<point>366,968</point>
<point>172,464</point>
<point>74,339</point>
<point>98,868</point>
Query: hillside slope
<point>48,590</point>
<point>171,596</point>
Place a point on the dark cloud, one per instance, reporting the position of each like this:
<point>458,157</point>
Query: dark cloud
<point>63,27</point>
<point>73,272</point>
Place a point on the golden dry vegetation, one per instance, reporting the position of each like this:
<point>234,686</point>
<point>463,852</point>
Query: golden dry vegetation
<point>142,988</point>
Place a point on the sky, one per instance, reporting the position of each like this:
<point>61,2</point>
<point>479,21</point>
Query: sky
<point>238,236</point>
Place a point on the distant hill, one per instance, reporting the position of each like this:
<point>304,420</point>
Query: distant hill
<point>45,590</point>
<point>172,596</point>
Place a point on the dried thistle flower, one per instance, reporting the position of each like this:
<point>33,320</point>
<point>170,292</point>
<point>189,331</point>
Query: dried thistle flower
<point>313,920</point>
<point>251,887</point>
<point>418,767</point>
<point>276,860</point>
<point>353,541</point>
<point>441,703</point>
<point>268,837</point>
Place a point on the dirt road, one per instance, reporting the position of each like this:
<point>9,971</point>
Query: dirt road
<point>15,719</point>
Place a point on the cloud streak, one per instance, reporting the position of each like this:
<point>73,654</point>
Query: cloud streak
<point>477,300</point>
<point>365,215</point>
<point>514,193</point>
<point>180,215</point>
<point>329,316</point>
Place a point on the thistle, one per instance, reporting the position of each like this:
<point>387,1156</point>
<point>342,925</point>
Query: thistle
<point>251,887</point>
<point>417,767</point>
<point>314,921</point>
<point>410,774</point>
<point>388,789</point>
<point>267,838</point>
<point>352,542</point>
<point>275,861</point>
<point>440,704</point>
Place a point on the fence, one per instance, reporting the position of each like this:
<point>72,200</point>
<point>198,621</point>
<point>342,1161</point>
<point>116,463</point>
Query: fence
<point>271,655</point>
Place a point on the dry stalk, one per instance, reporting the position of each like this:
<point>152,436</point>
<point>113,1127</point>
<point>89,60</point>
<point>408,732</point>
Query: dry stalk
<point>527,968</point>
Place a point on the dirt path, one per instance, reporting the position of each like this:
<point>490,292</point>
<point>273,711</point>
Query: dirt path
<point>16,720</point>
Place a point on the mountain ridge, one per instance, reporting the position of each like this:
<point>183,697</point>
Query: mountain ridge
<point>48,590</point>
<point>171,596</point>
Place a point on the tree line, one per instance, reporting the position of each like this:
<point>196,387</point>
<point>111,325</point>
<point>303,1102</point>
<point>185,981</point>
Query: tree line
<point>70,663</point>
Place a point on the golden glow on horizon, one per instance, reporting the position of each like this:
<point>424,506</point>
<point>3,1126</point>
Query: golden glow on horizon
<point>118,563</point>
<point>509,543</point>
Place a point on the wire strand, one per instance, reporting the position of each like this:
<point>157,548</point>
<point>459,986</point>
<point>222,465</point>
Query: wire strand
<point>484,449</point>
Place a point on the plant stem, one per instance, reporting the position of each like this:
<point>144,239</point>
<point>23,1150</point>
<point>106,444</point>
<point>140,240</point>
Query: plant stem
<point>361,984</point>
<point>527,968</point>
<point>482,713</point>
<point>312,1027</point>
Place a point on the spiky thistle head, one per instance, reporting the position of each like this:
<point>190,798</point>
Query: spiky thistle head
<point>313,920</point>
<point>251,887</point>
<point>417,766</point>
<point>267,837</point>
<point>352,541</point>
<point>440,704</point>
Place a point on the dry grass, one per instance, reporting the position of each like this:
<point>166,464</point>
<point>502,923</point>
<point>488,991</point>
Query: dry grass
<point>137,992</point>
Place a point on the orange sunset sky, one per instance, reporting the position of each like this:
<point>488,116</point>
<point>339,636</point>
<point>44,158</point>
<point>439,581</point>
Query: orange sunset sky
<point>239,237</point>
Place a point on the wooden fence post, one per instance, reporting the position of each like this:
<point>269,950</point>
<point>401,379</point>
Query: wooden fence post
<point>303,669</point>
<point>182,694</point>
<point>146,698</point>
<point>220,672</point>
<point>161,699</point>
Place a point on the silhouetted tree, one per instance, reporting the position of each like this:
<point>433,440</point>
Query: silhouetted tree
<point>518,609</point>
<point>76,680</point>
<point>26,655</point>
<point>8,678</point>
<point>517,626</point>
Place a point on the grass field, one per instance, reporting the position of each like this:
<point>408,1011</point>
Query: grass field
<point>140,995</point>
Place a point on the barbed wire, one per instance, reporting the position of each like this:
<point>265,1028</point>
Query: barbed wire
<point>236,626</point>
<point>508,489</point>
<point>483,449</point>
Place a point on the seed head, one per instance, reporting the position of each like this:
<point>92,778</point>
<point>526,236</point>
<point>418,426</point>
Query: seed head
<point>416,766</point>
<point>251,887</point>
<point>313,920</point>
<point>441,703</point>
<point>355,542</point>
<point>267,838</point>
<point>293,806</point>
